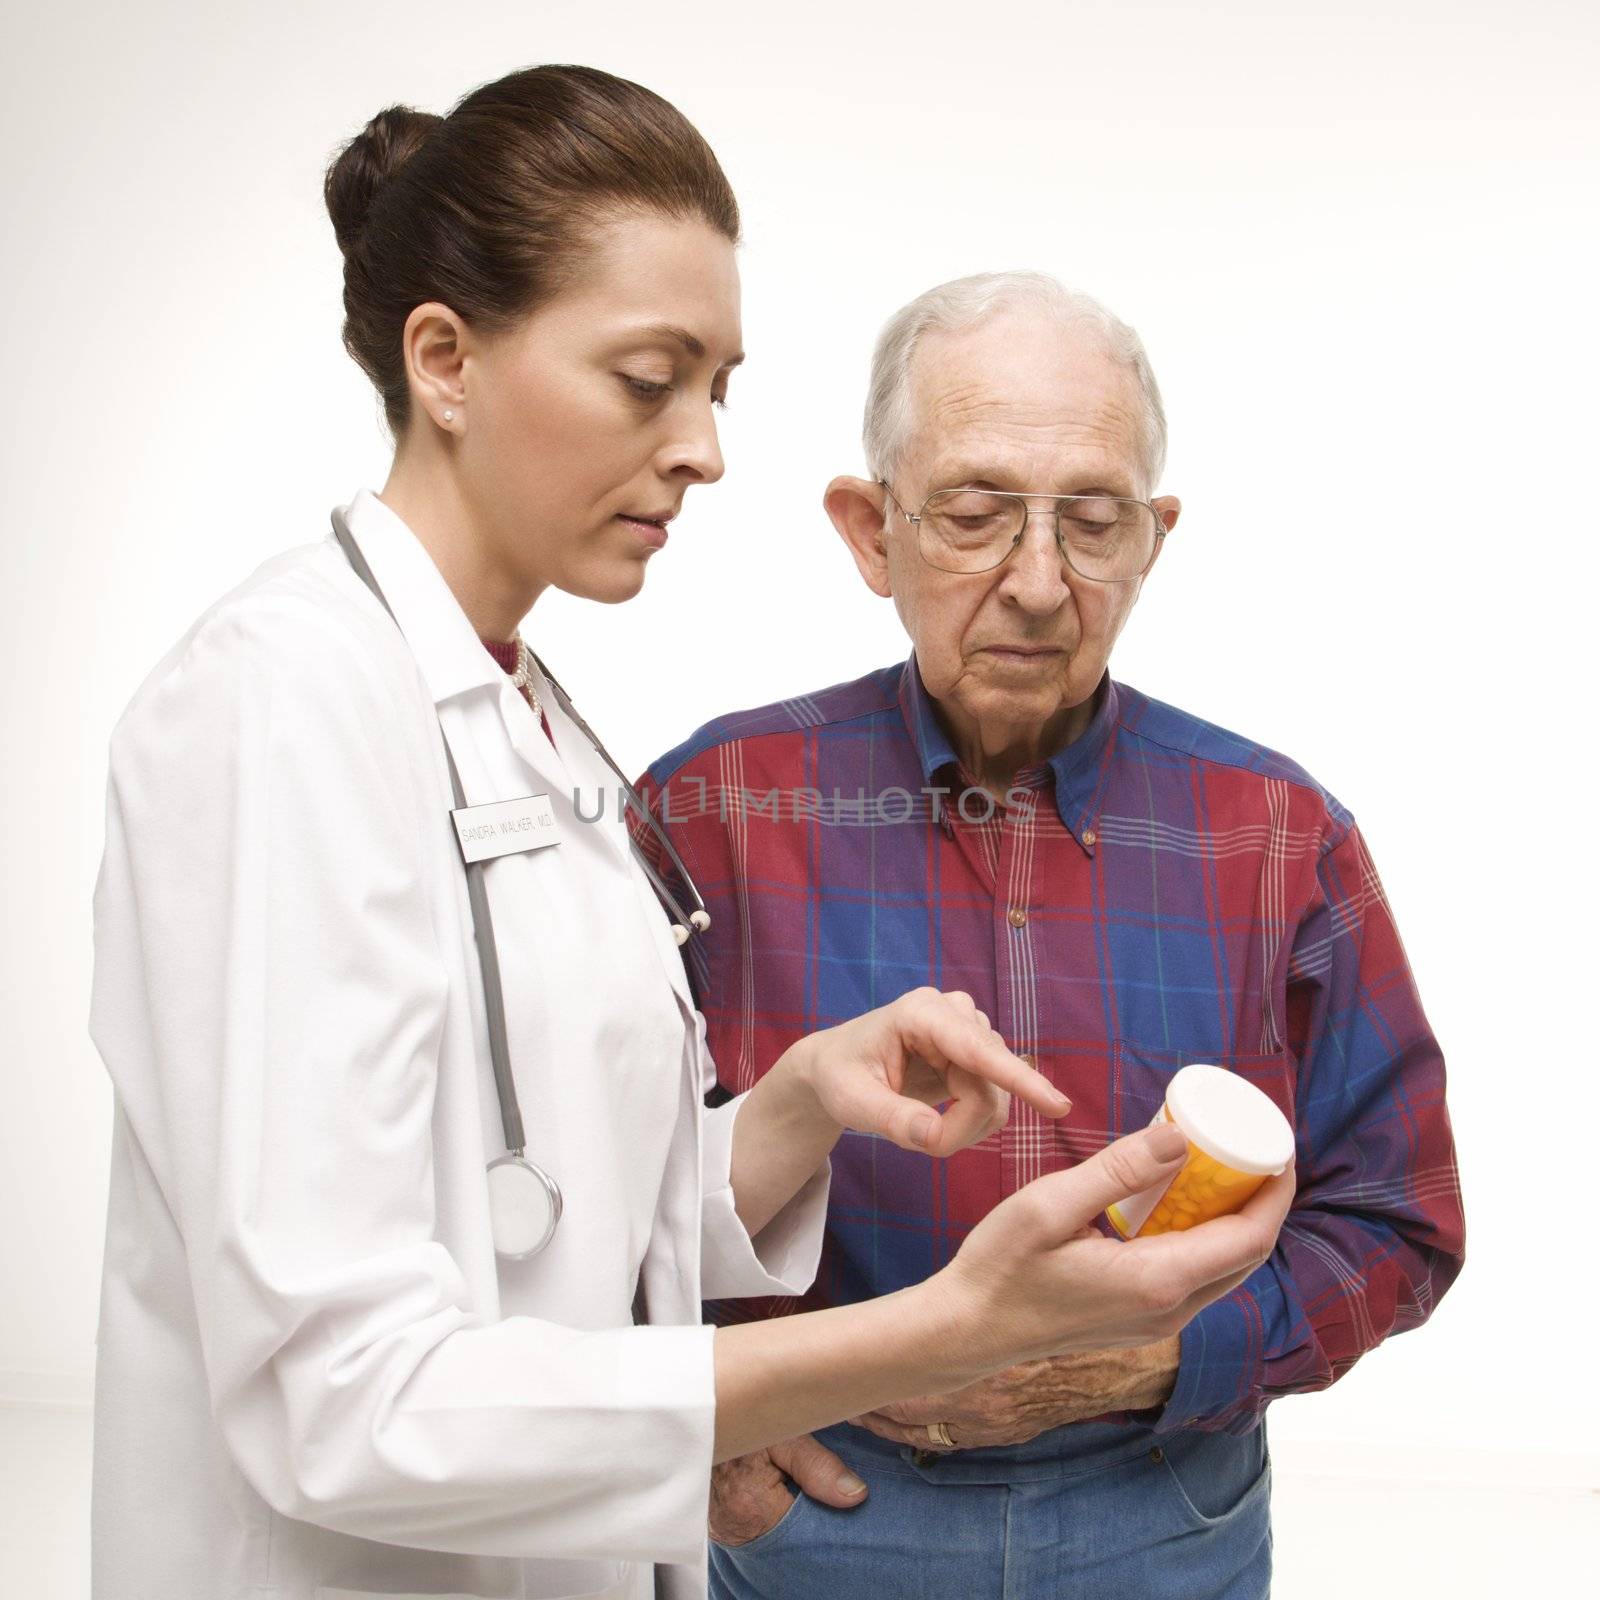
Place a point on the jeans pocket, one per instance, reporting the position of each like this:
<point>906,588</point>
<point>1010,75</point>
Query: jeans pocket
<point>1217,1478</point>
<point>783,1525</point>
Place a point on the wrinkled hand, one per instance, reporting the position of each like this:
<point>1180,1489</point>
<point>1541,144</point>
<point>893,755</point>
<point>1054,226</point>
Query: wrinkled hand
<point>882,1071</point>
<point>1023,1401</point>
<point>748,1496</point>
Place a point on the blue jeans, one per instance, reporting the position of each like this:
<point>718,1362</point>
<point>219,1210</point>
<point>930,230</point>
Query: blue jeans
<point>1098,1510</point>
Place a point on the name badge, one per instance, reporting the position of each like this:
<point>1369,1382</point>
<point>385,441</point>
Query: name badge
<point>505,827</point>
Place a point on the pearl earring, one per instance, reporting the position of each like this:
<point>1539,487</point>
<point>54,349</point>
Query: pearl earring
<point>449,416</point>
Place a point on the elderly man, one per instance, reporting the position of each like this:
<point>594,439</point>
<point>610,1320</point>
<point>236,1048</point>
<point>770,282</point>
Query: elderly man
<point>1123,889</point>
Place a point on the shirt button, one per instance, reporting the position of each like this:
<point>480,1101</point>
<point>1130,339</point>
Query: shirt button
<point>1157,1455</point>
<point>1088,836</point>
<point>1017,917</point>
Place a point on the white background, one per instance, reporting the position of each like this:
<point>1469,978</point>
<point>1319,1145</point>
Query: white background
<point>1360,243</point>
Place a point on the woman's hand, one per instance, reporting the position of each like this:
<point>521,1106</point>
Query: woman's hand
<point>882,1072</point>
<point>1031,1280</point>
<point>1034,1278</point>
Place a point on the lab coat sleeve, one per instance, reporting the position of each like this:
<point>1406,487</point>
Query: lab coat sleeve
<point>782,1258</point>
<point>270,991</point>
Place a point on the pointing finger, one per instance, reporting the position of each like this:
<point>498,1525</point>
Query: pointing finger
<point>935,1029</point>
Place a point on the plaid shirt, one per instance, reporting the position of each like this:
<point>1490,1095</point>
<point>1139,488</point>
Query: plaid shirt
<point>1158,892</point>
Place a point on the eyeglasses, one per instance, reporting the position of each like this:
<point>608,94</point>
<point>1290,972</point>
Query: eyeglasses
<point>1104,538</point>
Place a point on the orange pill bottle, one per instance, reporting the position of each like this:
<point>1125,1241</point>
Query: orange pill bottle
<point>1237,1140</point>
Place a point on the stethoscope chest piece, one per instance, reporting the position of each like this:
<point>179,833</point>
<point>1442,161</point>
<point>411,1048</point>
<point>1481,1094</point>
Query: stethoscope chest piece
<point>524,1207</point>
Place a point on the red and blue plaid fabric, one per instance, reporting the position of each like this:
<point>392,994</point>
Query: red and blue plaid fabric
<point>1159,892</point>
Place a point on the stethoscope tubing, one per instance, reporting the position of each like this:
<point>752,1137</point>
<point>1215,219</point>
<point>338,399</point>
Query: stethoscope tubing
<point>477,892</point>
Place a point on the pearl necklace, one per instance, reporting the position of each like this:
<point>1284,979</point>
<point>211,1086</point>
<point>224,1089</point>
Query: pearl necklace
<point>522,678</point>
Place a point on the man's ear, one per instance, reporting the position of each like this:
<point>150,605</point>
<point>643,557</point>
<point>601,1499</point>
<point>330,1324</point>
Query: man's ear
<point>855,508</point>
<point>1167,508</point>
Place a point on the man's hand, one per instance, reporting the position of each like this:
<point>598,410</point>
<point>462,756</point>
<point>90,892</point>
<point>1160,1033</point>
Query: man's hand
<point>748,1497</point>
<point>1022,1402</point>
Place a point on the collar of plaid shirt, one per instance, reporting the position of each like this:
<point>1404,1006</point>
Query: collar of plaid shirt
<point>1078,770</point>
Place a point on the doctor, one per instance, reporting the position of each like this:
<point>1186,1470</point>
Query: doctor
<point>342,1353</point>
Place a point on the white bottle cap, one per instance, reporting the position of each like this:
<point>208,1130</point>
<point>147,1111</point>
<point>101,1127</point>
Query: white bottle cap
<point>1231,1120</point>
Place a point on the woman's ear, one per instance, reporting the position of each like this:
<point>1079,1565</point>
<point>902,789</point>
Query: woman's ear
<point>434,344</point>
<point>855,507</point>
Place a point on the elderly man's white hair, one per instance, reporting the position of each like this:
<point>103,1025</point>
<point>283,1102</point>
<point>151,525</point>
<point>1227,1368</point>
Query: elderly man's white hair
<point>962,303</point>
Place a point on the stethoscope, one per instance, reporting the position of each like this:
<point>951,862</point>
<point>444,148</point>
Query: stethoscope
<point>524,1199</point>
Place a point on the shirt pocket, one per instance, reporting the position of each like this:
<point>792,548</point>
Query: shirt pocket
<point>1141,1072</point>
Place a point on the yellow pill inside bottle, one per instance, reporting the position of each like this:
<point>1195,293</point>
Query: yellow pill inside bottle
<point>1237,1140</point>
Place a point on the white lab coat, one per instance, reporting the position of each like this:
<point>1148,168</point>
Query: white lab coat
<point>315,1379</point>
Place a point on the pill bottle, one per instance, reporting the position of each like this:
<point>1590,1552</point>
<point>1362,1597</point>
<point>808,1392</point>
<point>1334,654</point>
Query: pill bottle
<point>1237,1140</point>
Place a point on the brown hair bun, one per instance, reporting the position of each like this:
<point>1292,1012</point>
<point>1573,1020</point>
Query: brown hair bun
<point>367,163</point>
<point>492,209</point>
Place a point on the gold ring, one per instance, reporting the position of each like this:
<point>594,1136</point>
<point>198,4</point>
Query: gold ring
<point>940,1435</point>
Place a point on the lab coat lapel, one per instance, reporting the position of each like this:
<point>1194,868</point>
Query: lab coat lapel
<point>453,662</point>
<point>447,649</point>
